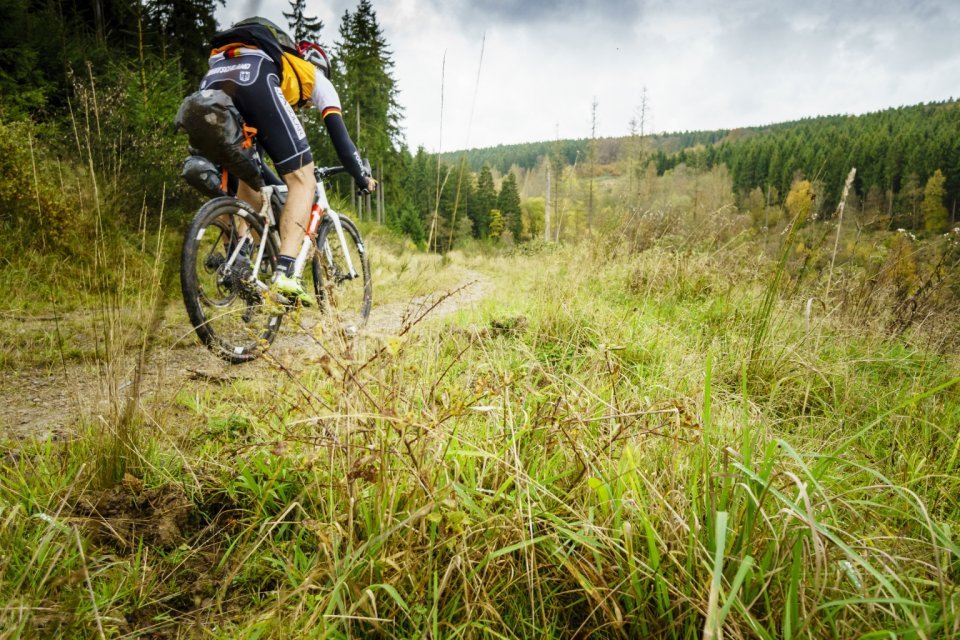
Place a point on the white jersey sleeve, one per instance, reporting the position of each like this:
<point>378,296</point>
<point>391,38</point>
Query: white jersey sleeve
<point>324,96</point>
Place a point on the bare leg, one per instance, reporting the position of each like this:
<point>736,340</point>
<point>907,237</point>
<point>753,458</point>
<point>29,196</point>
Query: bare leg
<point>301,188</point>
<point>249,195</point>
<point>252,197</point>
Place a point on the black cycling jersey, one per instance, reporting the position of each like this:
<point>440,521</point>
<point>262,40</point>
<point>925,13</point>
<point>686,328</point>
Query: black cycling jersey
<point>250,77</point>
<point>253,82</point>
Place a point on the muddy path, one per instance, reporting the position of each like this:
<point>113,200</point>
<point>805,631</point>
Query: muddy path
<point>54,400</point>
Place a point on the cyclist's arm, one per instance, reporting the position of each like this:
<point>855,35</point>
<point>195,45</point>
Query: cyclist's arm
<point>325,98</point>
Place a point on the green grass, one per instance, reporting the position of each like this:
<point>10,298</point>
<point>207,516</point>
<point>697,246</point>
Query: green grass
<point>600,447</point>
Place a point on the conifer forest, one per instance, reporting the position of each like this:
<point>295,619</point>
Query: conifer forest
<point>694,384</point>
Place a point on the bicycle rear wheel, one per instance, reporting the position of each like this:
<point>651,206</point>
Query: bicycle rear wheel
<point>224,298</point>
<point>341,294</point>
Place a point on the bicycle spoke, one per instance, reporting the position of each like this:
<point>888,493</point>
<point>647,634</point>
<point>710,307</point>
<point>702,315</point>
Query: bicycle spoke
<point>344,294</point>
<point>225,299</point>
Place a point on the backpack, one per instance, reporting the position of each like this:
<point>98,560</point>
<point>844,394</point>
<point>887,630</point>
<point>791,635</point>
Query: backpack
<point>260,33</point>
<point>217,132</point>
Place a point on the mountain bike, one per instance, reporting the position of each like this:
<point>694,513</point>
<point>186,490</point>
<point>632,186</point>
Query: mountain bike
<point>229,259</point>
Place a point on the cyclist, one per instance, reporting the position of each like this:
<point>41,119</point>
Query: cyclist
<point>254,63</point>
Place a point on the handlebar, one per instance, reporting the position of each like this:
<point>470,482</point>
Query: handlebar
<point>322,173</point>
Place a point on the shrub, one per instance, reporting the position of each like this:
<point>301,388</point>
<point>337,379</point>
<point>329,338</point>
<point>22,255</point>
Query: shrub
<point>32,205</point>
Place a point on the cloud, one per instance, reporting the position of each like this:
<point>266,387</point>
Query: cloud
<point>540,13</point>
<point>707,64</point>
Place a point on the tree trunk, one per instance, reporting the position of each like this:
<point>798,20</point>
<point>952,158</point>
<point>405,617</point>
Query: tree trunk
<point>593,161</point>
<point>380,194</point>
<point>890,209</point>
<point>546,209</point>
<point>143,71</point>
<point>98,20</point>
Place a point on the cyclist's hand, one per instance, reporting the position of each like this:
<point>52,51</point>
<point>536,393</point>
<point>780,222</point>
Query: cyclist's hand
<point>370,188</point>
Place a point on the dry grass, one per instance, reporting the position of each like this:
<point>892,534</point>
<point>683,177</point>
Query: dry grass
<point>656,435</point>
<point>590,459</point>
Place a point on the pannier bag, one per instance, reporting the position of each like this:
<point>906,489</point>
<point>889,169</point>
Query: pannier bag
<point>202,175</point>
<point>215,129</point>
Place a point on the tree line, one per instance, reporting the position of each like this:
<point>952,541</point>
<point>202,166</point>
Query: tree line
<point>100,80</point>
<point>570,151</point>
<point>896,152</point>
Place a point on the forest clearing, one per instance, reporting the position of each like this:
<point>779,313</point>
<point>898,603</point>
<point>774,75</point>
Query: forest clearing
<point>628,453</point>
<point>690,385</point>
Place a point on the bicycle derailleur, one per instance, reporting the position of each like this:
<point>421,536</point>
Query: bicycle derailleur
<point>238,280</point>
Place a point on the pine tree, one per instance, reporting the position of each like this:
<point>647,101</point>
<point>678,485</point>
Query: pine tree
<point>935,218</point>
<point>366,85</point>
<point>304,27</point>
<point>509,205</point>
<point>185,27</point>
<point>486,200</point>
<point>496,224</point>
<point>467,200</point>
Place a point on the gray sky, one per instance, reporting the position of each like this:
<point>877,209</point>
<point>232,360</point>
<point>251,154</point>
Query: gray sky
<point>706,64</point>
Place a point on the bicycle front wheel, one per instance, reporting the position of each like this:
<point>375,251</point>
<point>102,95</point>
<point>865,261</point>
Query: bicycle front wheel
<point>342,293</point>
<point>224,298</point>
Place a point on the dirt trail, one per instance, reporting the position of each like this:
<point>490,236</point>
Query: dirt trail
<point>50,402</point>
<point>389,317</point>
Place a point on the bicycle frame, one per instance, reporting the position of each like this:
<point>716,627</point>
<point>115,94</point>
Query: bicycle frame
<point>320,208</point>
<point>226,277</point>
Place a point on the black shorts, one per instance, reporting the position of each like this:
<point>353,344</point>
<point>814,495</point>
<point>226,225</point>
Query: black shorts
<point>253,83</point>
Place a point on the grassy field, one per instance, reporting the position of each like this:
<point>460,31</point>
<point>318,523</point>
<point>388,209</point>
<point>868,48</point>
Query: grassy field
<point>605,443</point>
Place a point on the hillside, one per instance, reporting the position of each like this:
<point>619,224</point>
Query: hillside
<point>528,155</point>
<point>895,151</point>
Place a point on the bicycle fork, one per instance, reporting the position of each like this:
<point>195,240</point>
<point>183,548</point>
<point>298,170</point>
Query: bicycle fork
<point>266,212</point>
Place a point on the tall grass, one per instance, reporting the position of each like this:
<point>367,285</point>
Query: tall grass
<point>602,458</point>
<point>640,438</point>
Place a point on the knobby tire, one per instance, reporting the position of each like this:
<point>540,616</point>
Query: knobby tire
<point>217,305</point>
